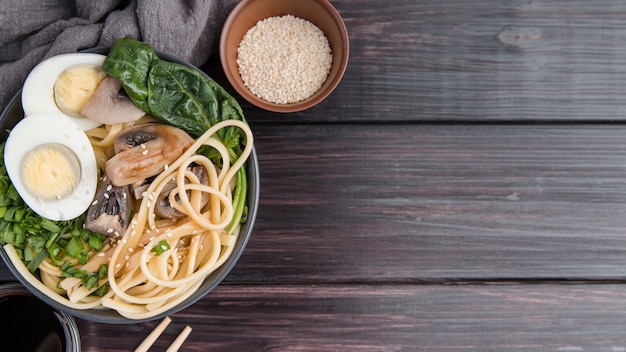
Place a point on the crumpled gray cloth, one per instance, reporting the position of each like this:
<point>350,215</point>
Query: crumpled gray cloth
<point>32,30</point>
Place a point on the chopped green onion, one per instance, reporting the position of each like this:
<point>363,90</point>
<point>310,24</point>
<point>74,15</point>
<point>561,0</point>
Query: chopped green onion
<point>95,242</point>
<point>12,193</point>
<point>52,239</point>
<point>74,272</point>
<point>19,215</point>
<point>101,291</point>
<point>74,247</point>
<point>103,271</point>
<point>49,225</point>
<point>56,253</point>
<point>8,216</point>
<point>28,253</point>
<point>65,266</point>
<point>34,264</point>
<point>161,247</point>
<point>90,281</point>
<point>82,258</point>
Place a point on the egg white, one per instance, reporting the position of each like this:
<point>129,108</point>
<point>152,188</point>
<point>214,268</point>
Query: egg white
<point>45,128</point>
<point>38,88</point>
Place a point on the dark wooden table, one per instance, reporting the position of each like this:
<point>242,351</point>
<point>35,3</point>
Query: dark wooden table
<point>463,189</point>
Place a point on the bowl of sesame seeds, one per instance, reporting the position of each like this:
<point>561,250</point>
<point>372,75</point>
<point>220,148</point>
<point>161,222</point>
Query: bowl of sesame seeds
<point>284,55</point>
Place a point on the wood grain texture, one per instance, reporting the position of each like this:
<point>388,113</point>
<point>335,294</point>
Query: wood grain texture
<point>461,190</point>
<point>438,202</point>
<point>389,318</point>
<point>429,202</point>
<point>478,60</point>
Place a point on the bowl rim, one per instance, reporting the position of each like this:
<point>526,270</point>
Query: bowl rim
<point>67,322</point>
<point>111,316</point>
<point>305,104</point>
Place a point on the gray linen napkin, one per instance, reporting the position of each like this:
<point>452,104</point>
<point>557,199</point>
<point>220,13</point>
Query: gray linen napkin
<point>32,30</point>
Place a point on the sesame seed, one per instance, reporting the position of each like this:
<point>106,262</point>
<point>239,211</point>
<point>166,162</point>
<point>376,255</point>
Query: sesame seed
<point>284,59</point>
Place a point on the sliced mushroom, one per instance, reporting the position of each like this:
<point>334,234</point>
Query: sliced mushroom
<point>110,104</point>
<point>144,151</point>
<point>163,207</point>
<point>139,188</point>
<point>110,211</point>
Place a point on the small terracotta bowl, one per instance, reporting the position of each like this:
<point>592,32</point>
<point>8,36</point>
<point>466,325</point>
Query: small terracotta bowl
<point>319,12</point>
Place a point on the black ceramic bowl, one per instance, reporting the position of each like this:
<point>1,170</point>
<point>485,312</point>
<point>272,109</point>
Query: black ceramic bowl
<point>13,113</point>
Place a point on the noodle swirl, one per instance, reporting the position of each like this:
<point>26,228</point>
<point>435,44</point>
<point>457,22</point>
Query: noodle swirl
<point>143,284</point>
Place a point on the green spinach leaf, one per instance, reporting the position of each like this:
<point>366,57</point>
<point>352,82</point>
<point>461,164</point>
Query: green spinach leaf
<point>129,61</point>
<point>174,93</point>
<point>183,97</point>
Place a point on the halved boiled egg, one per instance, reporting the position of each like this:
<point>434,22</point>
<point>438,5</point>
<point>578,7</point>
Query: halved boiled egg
<point>51,163</point>
<point>63,84</point>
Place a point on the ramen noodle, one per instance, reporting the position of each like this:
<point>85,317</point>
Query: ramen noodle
<point>142,283</point>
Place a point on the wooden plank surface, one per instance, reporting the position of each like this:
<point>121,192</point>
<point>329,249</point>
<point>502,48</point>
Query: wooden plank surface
<point>466,60</point>
<point>462,189</point>
<point>367,233</point>
<point>420,202</point>
<point>389,318</point>
<point>438,202</point>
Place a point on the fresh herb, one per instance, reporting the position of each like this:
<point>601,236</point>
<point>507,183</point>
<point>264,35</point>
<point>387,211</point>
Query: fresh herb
<point>89,280</point>
<point>36,238</point>
<point>133,73</point>
<point>240,209</point>
<point>101,291</point>
<point>161,247</point>
<point>183,97</point>
<point>174,93</point>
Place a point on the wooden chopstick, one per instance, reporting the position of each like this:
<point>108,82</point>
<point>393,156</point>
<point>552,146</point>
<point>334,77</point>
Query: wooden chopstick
<point>179,340</point>
<point>154,335</point>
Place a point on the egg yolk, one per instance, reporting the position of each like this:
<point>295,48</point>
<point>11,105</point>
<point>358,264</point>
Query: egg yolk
<point>50,172</point>
<point>75,86</point>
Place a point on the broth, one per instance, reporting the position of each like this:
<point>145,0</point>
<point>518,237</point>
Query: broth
<point>28,324</point>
